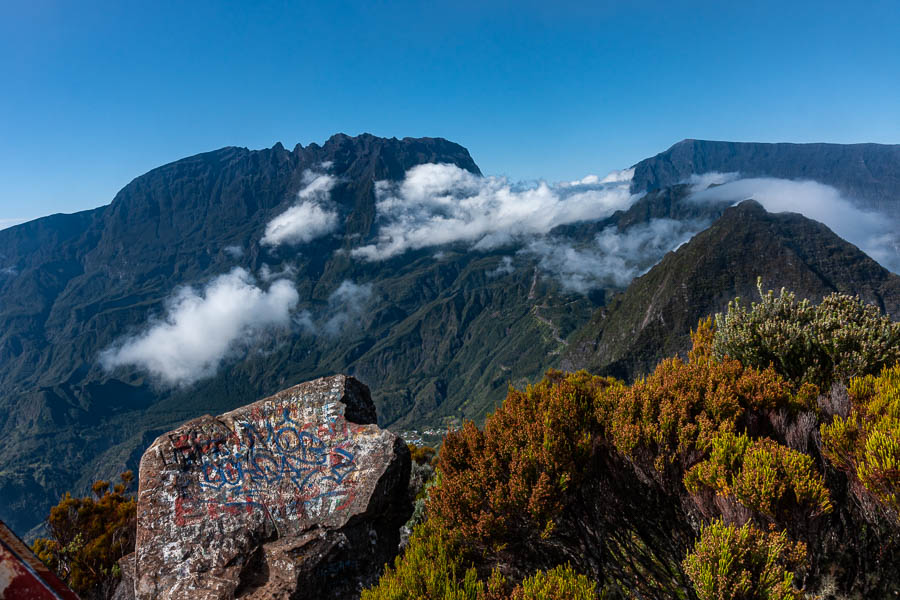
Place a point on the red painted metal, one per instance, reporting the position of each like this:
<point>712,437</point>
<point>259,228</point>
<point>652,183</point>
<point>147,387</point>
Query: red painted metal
<point>23,576</point>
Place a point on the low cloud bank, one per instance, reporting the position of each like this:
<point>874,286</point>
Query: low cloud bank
<point>312,217</point>
<point>874,234</point>
<point>439,204</point>
<point>345,306</point>
<point>201,328</point>
<point>614,258</point>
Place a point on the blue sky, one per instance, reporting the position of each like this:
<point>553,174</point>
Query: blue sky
<point>94,94</point>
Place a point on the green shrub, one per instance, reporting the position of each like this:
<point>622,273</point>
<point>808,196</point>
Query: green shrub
<point>867,443</point>
<point>560,583</point>
<point>763,475</point>
<point>731,563</point>
<point>89,536</point>
<point>433,566</point>
<point>835,340</point>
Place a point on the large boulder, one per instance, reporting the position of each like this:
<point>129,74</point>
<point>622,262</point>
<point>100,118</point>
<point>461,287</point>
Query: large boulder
<point>300,495</point>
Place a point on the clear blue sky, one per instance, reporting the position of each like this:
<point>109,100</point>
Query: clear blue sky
<point>94,94</point>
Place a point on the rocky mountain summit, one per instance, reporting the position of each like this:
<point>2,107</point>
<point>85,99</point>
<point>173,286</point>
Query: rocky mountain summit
<point>299,495</point>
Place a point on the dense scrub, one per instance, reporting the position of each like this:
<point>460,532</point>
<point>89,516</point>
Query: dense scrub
<point>835,340</point>
<point>586,470</point>
<point>866,444</point>
<point>734,563</point>
<point>88,536</point>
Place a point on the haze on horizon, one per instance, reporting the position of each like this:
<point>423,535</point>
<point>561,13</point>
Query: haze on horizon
<point>97,95</point>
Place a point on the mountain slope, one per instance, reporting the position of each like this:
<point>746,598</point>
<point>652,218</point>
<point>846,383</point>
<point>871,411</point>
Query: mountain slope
<point>74,284</point>
<point>651,319</point>
<point>867,173</point>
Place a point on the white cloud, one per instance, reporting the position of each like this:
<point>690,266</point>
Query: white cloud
<point>504,268</point>
<point>438,204</point>
<point>705,180</point>
<point>345,305</point>
<point>234,251</point>
<point>614,258</point>
<point>288,271</point>
<point>311,218</point>
<point>623,176</point>
<point>200,329</point>
<point>874,234</point>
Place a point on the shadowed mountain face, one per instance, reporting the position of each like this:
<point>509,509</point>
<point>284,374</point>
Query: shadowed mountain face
<point>437,333</point>
<point>74,284</point>
<point>867,173</point>
<point>652,318</point>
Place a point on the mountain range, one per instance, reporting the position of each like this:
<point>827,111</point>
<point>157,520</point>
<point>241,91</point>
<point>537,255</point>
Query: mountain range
<point>437,313</point>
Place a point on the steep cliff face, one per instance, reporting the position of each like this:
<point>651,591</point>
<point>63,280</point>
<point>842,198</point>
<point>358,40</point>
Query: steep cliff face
<point>436,337</point>
<point>652,318</point>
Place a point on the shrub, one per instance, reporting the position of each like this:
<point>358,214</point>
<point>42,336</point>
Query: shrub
<point>835,340</point>
<point>866,444</point>
<point>763,475</point>
<point>89,536</point>
<point>681,407</point>
<point>560,583</point>
<point>421,455</point>
<point>731,563</point>
<point>433,566</point>
<point>507,483</point>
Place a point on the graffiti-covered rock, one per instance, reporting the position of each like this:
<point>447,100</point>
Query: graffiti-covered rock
<point>300,495</point>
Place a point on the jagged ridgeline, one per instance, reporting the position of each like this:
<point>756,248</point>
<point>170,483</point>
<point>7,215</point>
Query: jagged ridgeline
<point>438,330</point>
<point>709,478</point>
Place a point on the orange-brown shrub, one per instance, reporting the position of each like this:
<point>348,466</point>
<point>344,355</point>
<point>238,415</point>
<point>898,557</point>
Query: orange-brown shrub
<point>676,412</point>
<point>513,477</point>
<point>89,536</point>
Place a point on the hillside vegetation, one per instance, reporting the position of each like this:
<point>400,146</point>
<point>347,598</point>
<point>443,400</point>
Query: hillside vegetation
<point>775,476</point>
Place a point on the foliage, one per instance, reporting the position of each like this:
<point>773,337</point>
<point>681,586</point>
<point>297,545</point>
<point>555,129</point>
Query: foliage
<point>559,583</point>
<point>731,563</point>
<point>510,480</point>
<point>433,566</point>
<point>762,475</point>
<point>89,536</point>
<point>867,443</point>
<point>422,455</point>
<point>835,340</point>
<point>679,409</point>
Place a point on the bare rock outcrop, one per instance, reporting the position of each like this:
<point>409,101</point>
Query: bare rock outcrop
<point>300,495</point>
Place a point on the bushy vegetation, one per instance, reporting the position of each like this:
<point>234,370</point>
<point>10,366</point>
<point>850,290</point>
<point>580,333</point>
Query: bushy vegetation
<point>507,482</point>
<point>731,563</point>
<point>437,565</point>
<point>88,537</point>
<point>433,566</point>
<point>835,340</point>
<point>866,444</point>
<point>763,475</point>
<point>559,583</point>
<point>501,489</point>
<point>675,413</point>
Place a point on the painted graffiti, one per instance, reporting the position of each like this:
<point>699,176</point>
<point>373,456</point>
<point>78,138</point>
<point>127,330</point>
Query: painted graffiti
<point>274,461</point>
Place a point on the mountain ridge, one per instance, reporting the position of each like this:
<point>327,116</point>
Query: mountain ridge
<point>869,173</point>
